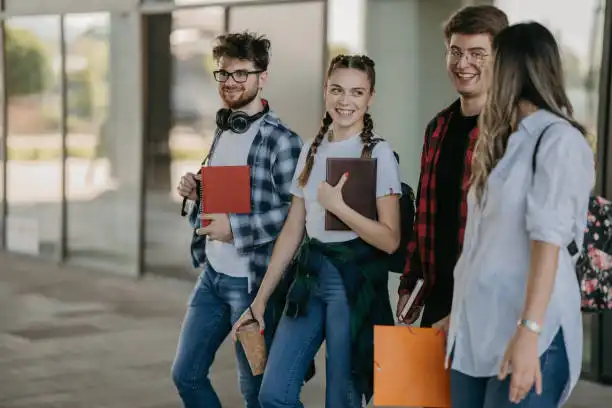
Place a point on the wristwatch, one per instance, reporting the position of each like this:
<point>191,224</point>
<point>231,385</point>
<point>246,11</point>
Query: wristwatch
<point>530,325</point>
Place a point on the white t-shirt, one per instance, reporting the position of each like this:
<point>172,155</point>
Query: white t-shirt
<point>387,181</point>
<point>232,150</point>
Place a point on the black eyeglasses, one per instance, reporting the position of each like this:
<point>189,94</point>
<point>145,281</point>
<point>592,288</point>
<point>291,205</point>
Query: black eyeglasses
<point>239,75</point>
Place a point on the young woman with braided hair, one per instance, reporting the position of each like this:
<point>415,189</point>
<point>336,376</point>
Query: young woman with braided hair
<point>339,278</point>
<point>366,137</point>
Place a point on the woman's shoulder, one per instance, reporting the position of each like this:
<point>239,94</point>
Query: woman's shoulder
<point>553,125</point>
<point>562,135</point>
<point>383,147</point>
<point>554,132</point>
<point>562,143</point>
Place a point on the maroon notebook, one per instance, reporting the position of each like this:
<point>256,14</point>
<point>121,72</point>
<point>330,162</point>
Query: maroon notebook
<point>359,191</point>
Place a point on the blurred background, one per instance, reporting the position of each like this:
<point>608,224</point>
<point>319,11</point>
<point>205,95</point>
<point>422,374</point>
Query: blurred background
<point>105,103</point>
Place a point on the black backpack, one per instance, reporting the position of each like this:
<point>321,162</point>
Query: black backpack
<point>407,203</point>
<point>407,210</point>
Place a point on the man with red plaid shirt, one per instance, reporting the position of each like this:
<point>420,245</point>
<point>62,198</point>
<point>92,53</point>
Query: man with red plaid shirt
<point>441,206</point>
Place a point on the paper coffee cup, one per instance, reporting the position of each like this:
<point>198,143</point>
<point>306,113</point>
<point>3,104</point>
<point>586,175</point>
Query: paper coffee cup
<point>254,346</point>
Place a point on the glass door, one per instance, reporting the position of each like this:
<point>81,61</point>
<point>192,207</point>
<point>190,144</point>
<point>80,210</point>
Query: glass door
<point>182,101</point>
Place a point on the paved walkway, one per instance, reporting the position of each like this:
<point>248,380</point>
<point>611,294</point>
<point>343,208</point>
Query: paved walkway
<point>72,338</point>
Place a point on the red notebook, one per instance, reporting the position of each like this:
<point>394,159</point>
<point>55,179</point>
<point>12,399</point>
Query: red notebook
<point>225,190</point>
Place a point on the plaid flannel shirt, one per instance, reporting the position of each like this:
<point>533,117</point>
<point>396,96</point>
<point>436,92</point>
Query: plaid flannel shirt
<point>272,157</point>
<point>421,262</point>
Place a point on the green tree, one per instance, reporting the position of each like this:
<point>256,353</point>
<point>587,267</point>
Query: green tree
<point>88,86</point>
<point>80,93</point>
<point>28,70</point>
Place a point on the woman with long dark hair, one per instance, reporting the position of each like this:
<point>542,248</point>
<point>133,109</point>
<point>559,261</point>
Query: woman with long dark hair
<point>516,333</point>
<point>340,287</point>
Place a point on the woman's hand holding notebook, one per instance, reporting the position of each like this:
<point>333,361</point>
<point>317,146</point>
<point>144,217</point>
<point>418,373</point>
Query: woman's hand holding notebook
<point>359,191</point>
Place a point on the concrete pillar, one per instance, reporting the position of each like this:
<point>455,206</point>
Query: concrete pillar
<point>125,130</point>
<point>405,39</point>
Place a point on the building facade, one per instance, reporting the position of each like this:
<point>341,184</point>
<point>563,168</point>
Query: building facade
<point>105,103</point>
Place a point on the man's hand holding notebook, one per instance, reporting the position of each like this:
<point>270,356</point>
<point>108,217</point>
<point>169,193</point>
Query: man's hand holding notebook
<point>225,190</point>
<point>218,227</point>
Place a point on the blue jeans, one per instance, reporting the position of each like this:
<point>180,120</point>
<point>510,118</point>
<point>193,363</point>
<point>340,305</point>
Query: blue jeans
<point>216,303</point>
<point>470,392</point>
<point>297,341</point>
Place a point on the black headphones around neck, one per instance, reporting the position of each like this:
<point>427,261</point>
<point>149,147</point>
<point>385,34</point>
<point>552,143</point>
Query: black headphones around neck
<point>239,121</point>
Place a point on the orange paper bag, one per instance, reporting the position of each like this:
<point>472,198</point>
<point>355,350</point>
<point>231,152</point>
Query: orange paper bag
<point>409,367</point>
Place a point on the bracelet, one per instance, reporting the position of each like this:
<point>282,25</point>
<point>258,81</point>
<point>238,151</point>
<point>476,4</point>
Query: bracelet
<point>530,325</point>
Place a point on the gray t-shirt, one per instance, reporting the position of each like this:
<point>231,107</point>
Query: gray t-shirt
<point>387,181</point>
<point>231,150</point>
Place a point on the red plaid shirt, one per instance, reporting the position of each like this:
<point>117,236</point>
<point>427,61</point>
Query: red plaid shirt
<point>421,262</point>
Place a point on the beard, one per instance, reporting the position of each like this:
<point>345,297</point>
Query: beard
<point>237,101</point>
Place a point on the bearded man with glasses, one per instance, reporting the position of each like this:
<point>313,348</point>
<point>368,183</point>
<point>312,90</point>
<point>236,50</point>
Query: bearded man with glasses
<point>233,250</point>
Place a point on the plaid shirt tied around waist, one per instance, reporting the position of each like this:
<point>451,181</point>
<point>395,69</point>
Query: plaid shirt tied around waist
<point>273,157</point>
<point>421,262</point>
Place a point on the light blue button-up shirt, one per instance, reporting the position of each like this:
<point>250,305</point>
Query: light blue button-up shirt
<point>518,207</point>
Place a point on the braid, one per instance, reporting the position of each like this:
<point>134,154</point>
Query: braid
<point>305,175</point>
<point>367,134</point>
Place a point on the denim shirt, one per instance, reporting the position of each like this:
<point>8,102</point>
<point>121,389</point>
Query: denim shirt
<point>520,206</point>
<point>272,158</point>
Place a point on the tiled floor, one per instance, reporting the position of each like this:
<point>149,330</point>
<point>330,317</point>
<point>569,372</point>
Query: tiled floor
<point>71,338</point>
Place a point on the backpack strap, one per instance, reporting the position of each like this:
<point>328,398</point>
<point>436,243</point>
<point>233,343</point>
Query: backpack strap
<point>366,152</point>
<point>572,247</point>
<point>537,146</point>
<point>216,138</point>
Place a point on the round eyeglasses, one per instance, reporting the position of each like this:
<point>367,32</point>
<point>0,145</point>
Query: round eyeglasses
<point>474,56</point>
